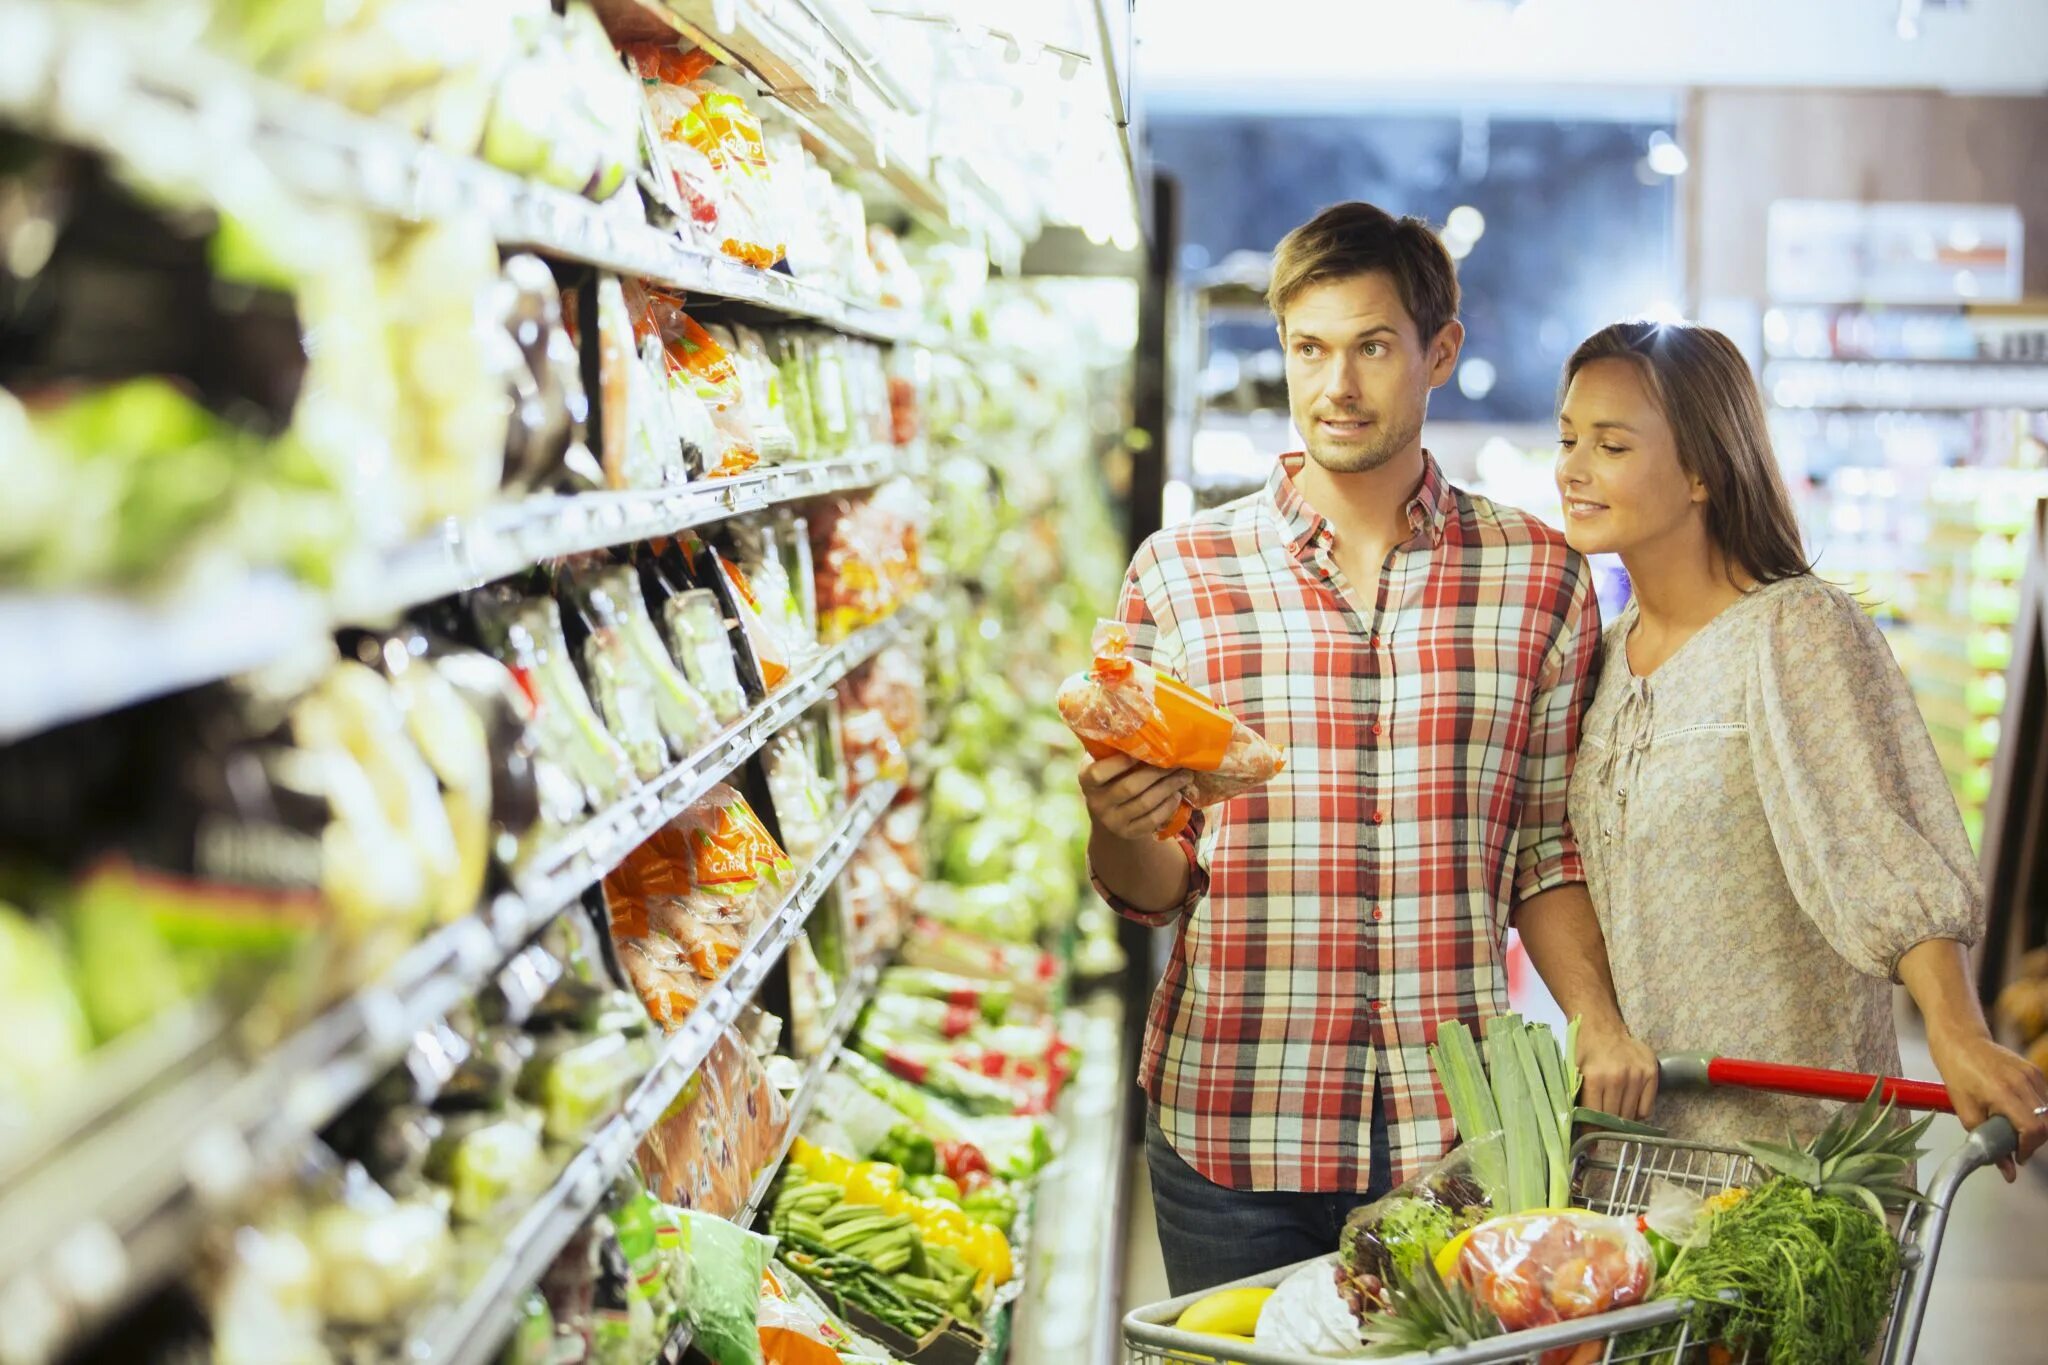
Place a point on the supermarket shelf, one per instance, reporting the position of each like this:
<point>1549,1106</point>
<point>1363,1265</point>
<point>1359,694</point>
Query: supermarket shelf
<point>87,646</point>
<point>97,78</point>
<point>853,999</point>
<point>1915,386</point>
<point>504,540</point>
<point>470,1333</point>
<point>221,1126</point>
<point>560,874</point>
<point>794,55</point>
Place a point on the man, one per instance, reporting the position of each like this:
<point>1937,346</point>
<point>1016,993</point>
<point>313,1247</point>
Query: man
<point>1425,658</point>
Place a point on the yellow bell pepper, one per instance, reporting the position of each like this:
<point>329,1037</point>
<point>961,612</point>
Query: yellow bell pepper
<point>872,1182</point>
<point>990,1252</point>
<point>818,1163</point>
<point>942,1220</point>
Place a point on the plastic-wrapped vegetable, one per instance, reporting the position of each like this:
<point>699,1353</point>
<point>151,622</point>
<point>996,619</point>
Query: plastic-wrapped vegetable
<point>43,1034</point>
<point>760,625</point>
<point>528,637</point>
<point>1123,706</point>
<point>639,1220</point>
<point>725,1265</point>
<point>577,1082</point>
<point>681,904</point>
<point>489,1162</point>
<point>453,738</point>
<point>549,406</point>
<point>378,1259</point>
<point>697,634</point>
<point>1534,1269</point>
<point>873,753</point>
<point>565,113</point>
<point>767,404</point>
<point>664,978</point>
<point>803,803</point>
<point>436,281</point>
<point>388,808</point>
<point>1402,1231</point>
<point>621,684</point>
<point>638,434</point>
<point>685,717</point>
<point>696,360</point>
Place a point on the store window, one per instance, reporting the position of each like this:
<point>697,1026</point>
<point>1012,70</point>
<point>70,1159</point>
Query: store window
<point>1569,223</point>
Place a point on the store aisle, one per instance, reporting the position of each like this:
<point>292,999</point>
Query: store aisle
<point>1144,1267</point>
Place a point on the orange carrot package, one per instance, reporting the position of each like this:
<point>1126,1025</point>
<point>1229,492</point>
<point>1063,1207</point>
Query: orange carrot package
<point>682,904</point>
<point>1122,706</point>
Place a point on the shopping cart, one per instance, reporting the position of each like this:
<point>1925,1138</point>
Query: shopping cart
<point>1615,1175</point>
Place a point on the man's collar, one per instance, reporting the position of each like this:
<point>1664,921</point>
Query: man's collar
<point>1428,510</point>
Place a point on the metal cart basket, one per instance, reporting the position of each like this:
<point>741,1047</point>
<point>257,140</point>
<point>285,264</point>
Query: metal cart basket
<point>1615,1175</point>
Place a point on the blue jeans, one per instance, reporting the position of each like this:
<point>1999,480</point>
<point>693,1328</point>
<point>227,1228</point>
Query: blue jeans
<point>1211,1235</point>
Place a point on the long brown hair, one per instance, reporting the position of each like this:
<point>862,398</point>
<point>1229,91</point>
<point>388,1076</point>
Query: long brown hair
<point>1706,392</point>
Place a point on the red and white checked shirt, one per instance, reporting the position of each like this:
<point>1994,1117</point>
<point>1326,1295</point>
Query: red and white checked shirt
<point>1339,914</point>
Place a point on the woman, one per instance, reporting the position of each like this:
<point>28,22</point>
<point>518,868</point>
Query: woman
<point>1768,836</point>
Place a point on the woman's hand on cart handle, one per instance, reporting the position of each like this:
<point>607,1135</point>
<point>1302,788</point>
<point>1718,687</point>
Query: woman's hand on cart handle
<point>2006,1111</point>
<point>1989,1081</point>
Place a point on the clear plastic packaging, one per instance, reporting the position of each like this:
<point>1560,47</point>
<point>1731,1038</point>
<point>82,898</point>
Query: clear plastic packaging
<point>873,753</point>
<point>1535,1269</point>
<point>1123,706</point>
<point>682,904</point>
<point>705,1153</point>
<point>761,391</point>
<point>707,371</point>
<point>536,649</point>
<point>697,634</point>
<point>803,803</point>
<point>1406,1228</point>
<point>621,687</point>
<point>761,622</point>
<point>612,602</point>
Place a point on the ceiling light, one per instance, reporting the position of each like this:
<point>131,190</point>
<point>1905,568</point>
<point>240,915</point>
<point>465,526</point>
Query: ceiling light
<point>1476,378</point>
<point>1666,156</point>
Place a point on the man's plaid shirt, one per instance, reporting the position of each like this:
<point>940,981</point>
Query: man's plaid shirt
<point>1336,916</point>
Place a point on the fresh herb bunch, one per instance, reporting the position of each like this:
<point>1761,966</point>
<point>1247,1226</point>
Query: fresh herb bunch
<point>1805,1265</point>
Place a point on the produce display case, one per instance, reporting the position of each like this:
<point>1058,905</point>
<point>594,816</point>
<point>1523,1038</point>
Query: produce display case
<point>1912,436</point>
<point>2013,964</point>
<point>499,581</point>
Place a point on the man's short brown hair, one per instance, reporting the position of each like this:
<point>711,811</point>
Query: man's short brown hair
<point>1357,239</point>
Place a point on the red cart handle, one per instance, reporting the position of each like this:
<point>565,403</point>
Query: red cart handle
<point>1698,1071</point>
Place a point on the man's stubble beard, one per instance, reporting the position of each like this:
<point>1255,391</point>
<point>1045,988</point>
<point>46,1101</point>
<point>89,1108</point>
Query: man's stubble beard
<point>1356,460</point>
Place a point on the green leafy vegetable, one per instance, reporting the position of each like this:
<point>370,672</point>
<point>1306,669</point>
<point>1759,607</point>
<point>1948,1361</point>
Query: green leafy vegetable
<point>1514,1109</point>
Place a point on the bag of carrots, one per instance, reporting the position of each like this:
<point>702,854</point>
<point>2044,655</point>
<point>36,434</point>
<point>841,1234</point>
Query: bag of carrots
<point>1122,706</point>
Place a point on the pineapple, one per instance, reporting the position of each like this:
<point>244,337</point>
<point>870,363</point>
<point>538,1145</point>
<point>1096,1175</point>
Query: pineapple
<point>1864,1154</point>
<point>1424,1313</point>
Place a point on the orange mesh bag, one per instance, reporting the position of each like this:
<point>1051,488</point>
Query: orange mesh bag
<point>1122,706</point>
